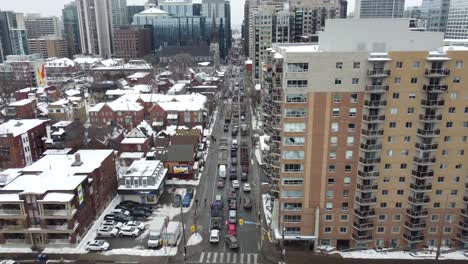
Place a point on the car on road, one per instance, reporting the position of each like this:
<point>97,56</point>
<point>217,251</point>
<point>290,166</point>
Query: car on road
<point>247,203</point>
<point>220,183</point>
<point>214,236</point>
<point>231,242</point>
<point>246,187</point>
<point>233,152</point>
<point>135,224</point>
<point>242,118</point>
<point>135,204</point>
<point>226,127</point>
<point>233,173</point>
<point>232,194</point>
<point>244,176</point>
<point>186,201</point>
<point>232,216</point>
<point>111,223</point>
<point>231,230</point>
<point>118,217</point>
<point>177,200</point>
<point>233,204</point>
<point>132,208</point>
<point>234,161</point>
<point>97,245</point>
<point>129,231</point>
<point>107,231</point>
<point>235,184</point>
<point>120,211</point>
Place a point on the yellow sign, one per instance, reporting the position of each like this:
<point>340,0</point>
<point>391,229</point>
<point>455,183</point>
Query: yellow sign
<point>180,169</point>
<point>241,221</point>
<point>192,228</point>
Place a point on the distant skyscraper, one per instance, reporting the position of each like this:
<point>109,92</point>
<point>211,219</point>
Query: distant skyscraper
<point>119,13</point>
<point>436,14</point>
<point>457,22</point>
<point>48,46</point>
<point>132,42</point>
<point>37,26</point>
<point>220,9</point>
<point>132,10</point>
<point>379,8</point>
<point>413,12</point>
<point>95,23</point>
<point>12,34</point>
<point>71,30</point>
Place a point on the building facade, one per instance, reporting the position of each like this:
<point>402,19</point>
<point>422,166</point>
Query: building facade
<point>119,13</point>
<point>12,34</point>
<point>132,42</point>
<point>71,29</point>
<point>367,137</point>
<point>379,8</point>
<point>49,47</point>
<point>38,27</point>
<point>20,71</point>
<point>435,12</point>
<point>457,21</point>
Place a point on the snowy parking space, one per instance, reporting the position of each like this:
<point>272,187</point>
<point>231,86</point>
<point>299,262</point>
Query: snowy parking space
<point>424,254</point>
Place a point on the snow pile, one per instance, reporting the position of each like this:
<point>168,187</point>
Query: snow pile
<point>427,254</point>
<point>64,250</point>
<point>169,210</point>
<point>175,181</point>
<point>194,239</point>
<point>266,199</point>
<point>140,251</point>
<point>6,249</point>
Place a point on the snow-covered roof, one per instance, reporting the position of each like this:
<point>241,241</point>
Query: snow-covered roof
<point>132,155</point>
<point>21,102</point>
<point>136,2</point>
<point>181,102</point>
<point>8,175</point>
<point>18,127</point>
<point>59,62</point>
<point>87,60</point>
<point>205,63</point>
<point>10,197</point>
<point>249,61</point>
<point>57,151</point>
<point>144,168</point>
<point>138,75</point>
<point>60,102</point>
<point>119,92</point>
<point>111,62</point>
<point>133,141</point>
<point>119,105</point>
<point>39,184</point>
<point>176,88</point>
<point>153,11</point>
<point>72,92</point>
<point>57,197</point>
<point>62,124</point>
<point>258,87</point>
<point>130,65</point>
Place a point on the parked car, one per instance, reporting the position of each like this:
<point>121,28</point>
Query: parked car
<point>232,194</point>
<point>97,245</point>
<point>220,183</point>
<point>233,173</point>
<point>118,217</point>
<point>244,176</point>
<point>235,184</point>
<point>231,242</point>
<point>135,224</point>
<point>190,192</point>
<point>129,231</point>
<point>134,204</point>
<point>132,208</point>
<point>233,161</point>
<point>111,223</point>
<point>247,203</point>
<point>246,187</point>
<point>120,211</point>
<point>177,200</point>
<point>186,201</point>
<point>232,204</point>
<point>231,230</point>
<point>107,231</point>
<point>233,153</point>
<point>214,236</point>
<point>140,213</point>
<point>226,127</point>
<point>232,216</point>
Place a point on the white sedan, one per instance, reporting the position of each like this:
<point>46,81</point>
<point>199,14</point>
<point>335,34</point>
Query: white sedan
<point>107,231</point>
<point>214,236</point>
<point>235,184</point>
<point>111,223</point>
<point>97,245</point>
<point>129,231</point>
<point>247,187</point>
<point>135,224</point>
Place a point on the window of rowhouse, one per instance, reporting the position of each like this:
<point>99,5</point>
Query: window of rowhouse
<point>296,98</point>
<point>294,127</point>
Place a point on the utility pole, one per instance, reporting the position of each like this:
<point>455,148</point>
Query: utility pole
<point>183,233</point>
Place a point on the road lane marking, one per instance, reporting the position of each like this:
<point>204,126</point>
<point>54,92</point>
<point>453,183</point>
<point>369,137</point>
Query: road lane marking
<point>241,258</point>
<point>201,257</point>
<point>221,257</point>
<point>255,258</point>
<point>234,258</point>
<point>208,257</point>
<point>215,256</point>
<point>228,257</point>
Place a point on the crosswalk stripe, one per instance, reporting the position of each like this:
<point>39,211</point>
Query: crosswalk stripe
<point>234,258</point>
<point>201,257</point>
<point>215,255</point>
<point>255,258</point>
<point>228,257</point>
<point>221,257</point>
<point>241,258</point>
<point>208,256</point>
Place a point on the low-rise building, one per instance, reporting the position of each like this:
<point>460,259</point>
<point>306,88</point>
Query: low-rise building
<point>61,68</point>
<point>66,135</point>
<point>68,110</point>
<point>124,112</point>
<point>42,94</point>
<point>22,109</point>
<point>179,161</point>
<point>103,72</point>
<point>143,181</point>
<point>140,78</point>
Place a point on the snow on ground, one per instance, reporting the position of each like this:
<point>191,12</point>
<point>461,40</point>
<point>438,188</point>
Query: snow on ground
<point>141,251</point>
<point>169,210</point>
<point>209,131</point>
<point>7,249</point>
<point>428,254</point>
<point>194,239</point>
<point>266,199</point>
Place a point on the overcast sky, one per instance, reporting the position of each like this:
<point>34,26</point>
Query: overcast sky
<point>54,7</point>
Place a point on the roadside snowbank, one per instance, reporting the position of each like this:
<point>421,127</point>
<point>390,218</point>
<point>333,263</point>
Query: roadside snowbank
<point>194,239</point>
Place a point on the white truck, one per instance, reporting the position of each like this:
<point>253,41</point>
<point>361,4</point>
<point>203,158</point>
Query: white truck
<point>222,171</point>
<point>156,229</point>
<point>172,234</point>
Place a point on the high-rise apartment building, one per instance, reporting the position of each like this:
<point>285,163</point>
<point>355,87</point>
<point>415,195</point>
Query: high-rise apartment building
<point>119,13</point>
<point>12,34</point>
<point>71,29</point>
<point>367,137</point>
<point>379,8</point>
<point>37,26</point>
<point>48,46</point>
<point>220,9</point>
<point>133,9</point>
<point>457,22</point>
<point>95,24</point>
<point>132,42</point>
<point>435,12</point>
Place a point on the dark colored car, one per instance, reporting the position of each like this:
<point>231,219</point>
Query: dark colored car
<point>233,204</point>
<point>186,201</point>
<point>233,173</point>
<point>220,184</point>
<point>232,194</point>
<point>190,192</point>
<point>233,152</point>
<point>135,204</point>
<point>226,127</point>
<point>235,131</point>
<point>234,161</point>
<point>231,242</point>
<point>177,200</point>
<point>247,203</point>
<point>132,208</point>
<point>140,213</point>
<point>244,176</point>
<point>118,217</point>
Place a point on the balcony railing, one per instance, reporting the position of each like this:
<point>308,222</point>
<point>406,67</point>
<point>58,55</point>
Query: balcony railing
<point>362,238</point>
<point>428,133</point>
<point>378,73</point>
<point>422,174</point>
<point>364,214</point>
<point>57,227</point>
<point>462,237</point>
<point>435,88</point>
<point>377,88</point>
<point>368,174</point>
<point>432,103</point>
<point>373,118</point>
<point>367,132</point>
<point>437,72</point>
<point>430,118</point>
<point>375,104</point>
<point>414,200</point>
<point>413,238</point>
<point>415,226</point>
<point>424,161</point>
<point>370,147</point>
<point>363,226</point>
<point>369,161</point>
<point>367,188</point>
<point>464,212</point>
<point>372,200</point>
<point>423,146</point>
<point>10,212</point>
<point>12,227</point>
<point>417,214</point>
<point>420,188</point>
<point>463,225</point>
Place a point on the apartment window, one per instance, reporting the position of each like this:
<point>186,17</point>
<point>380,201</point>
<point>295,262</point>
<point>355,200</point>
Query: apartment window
<point>328,218</point>
<point>296,98</point>
<point>416,64</point>
<point>343,229</point>
<point>387,166</point>
<point>298,67</point>
<point>327,229</point>
<point>349,154</point>
<point>331,168</point>
<point>466,110</point>
<point>355,81</point>
<point>434,218</point>
<point>334,127</point>
<point>380,229</point>
<point>396,96</point>
<point>400,192</point>
<point>337,81</point>
<point>292,218</point>
<point>294,127</point>
<point>347,180</point>
<point>399,64</point>
<point>128,182</point>
<point>449,124</point>
<point>458,166</point>
<point>433,229</point>
<point>393,111</point>
<point>461,152</point>
<point>293,154</point>
<point>465,124</point>
<point>414,80</point>
<point>453,96</point>
<point>384,192</point>
<point>396,218</point>
<point>392,124</point>
<point>329,206</point>
<point>339,65</point>
<point>293,168</point>
<point>352,112</point>
<point>386,180</point>
<point>294,112</point>
<point>350,141</point>
<point>292,206</point>
<point>412,96</point>
<point>404,152</point>
<point>382,218</point>
<point>397,80</point>
<point>294,141</point>
<point>463,138</point>
<point>447,138</point>
<point>345,193</point>
<point>458,64</point>
<point>440,179</point>
<point>351,127</point>
<point>436,205</point>
<point>344,218</point>
<point>410,110</point>
<point>390,139</point>
<point>444,152</point>
<point>348,168</point>
<point>456,79</point>
<point>330,193</point>
<point>333,141</point>
<point>449,218</point>
<point>293,181</point>
<point>332,155</point>
<point>451,205</point>
<point>389,152</point>
<point>293,231</point>
<point>395,229</point>
<point>296,84</point>
<point>356,65</point>
<point>447,229</point>
<point>451,110</point>
<point>406,139</point>
<point>292,194</point>
<point>398,205</point>
<point>336,112</point>
<point>409,124</point>
<point>403,166</point>
<point>336,98</point>
<point>331,181</point>
<point>136,182</point>
<point>353,98</point>
<point>401,179</point>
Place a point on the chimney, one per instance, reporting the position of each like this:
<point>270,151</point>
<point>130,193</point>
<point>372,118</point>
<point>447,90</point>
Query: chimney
<point>78,161</point>
<point>49,138</point>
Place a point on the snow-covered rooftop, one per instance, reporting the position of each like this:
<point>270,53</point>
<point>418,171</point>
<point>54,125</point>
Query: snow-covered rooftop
<point>45,182</point>
<point>72,92</point>
<point>62,124</point>
<point>57,151</point>
<point>138,75</point>
<point>132,155</point>
<point>18,127</point>
<point>119,105</point>
<point>182,102</point>
<point>58,197</point>
<point>21,102</point>
<point>153,11</point>
<point>9,197</point>
<point>87,60</point>
<point>8,175</point>
<point>133,141</point>
<point>60,102</point>
<point>59,62</point>
<point>145,168</point>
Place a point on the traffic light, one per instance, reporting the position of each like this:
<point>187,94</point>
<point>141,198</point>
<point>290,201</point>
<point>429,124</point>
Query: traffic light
<point>241,221</point>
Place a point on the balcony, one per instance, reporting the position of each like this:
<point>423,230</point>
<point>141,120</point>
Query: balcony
<point>366,201</point>
<point>364,214</point>
<point>422,174</point>
<point>463,237</point>
<point>437,72</point>
<point>367,188</point>
<point>368,174</point>
<point>58,214</point>
<point>369,161</point>
<point>371,133</point>
<point>11,228</point>
<point>378,73</point>
<point>373,118</point>
<point>362,238</point>
<point>435,88</point>
<point>370,147</point>
<point>419,201</point>
<point>424,161</point>
<point>422,146</point>
<point>375,104</point>
<point>417,214</point>
<point>413,238</point>
<point>363,226</point>
<point>464,212</point>
<point>428,133</point>
<point>420,188</point>
<point>463,225</point>
<point>415,226</point>
<point>430,118</point>
<point>11,213</point>
<point>432,103</point>
<point>465,199</point>
<point>377,88</point>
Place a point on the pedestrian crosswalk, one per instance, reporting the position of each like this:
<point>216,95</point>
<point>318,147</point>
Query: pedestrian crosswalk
<point>226,257</point>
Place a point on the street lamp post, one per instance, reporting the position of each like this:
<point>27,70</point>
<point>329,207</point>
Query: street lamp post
<point>183,233</point>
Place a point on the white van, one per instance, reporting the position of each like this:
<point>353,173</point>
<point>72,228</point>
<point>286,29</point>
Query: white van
<point>232,216</point>
<point>234,143</point>
<point>171,236</point>
<point>222,171</point>
<point>157,227</point>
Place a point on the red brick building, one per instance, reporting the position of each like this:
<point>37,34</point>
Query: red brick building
<point>43,94</point>
<point>66,198</point>
<point>132,42</point>
<point>126,113</point>
<point>22,109</point>
<point>21,142</point>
